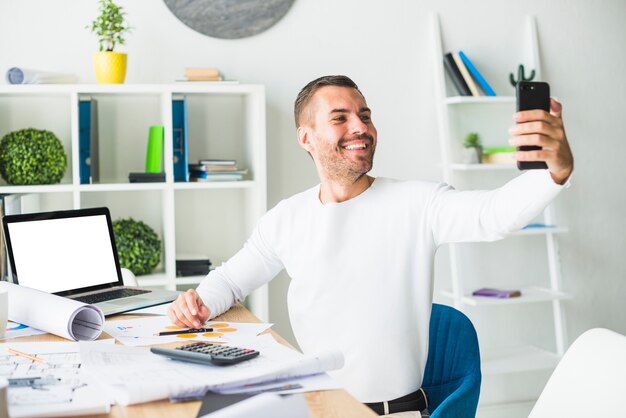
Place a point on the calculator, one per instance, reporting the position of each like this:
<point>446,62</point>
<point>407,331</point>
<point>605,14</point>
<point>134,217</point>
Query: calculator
<point>207,353</point>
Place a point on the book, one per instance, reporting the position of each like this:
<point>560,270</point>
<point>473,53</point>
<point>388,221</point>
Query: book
<point>477,75</point>
<point>466,75</point>
<point>205,167</point>
<point>179,135</point>
<point>455,75</point>
<point>89,170</point>
<point>213,168</point>
<point>208,161</point>
<point>201,72</point>
<point>198,176</point>
<point>205,78</point>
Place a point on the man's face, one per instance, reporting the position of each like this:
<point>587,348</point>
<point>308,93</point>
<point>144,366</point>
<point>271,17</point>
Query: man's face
<point>339,134</point>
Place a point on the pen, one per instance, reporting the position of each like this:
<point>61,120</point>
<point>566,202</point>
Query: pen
<point>28,356</point>
<point>185,331</point>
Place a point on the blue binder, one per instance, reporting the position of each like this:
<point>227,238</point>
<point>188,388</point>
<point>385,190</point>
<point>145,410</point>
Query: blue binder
<point>84,140</point>
<point>179,134</point>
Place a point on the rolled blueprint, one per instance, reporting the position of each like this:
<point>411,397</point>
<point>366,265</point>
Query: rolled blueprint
<point>17,75</point>
<point>57,315</point>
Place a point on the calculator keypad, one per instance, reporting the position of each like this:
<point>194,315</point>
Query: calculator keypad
<point>220,354</point>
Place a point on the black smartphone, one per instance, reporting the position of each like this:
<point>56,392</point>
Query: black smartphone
<point>532,95</point>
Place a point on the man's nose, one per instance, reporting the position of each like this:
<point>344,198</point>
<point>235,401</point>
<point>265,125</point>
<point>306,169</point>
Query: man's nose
<point>357,126</point>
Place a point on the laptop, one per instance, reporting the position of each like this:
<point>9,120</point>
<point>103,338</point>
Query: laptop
<point>72,253</point>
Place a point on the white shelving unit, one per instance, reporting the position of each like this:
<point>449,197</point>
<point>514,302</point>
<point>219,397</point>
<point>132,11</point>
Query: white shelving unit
<point>491,116</point>
<point>225,121</point>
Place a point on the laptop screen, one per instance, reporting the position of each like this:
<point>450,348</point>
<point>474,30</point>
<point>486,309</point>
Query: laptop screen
<point>62,252</point>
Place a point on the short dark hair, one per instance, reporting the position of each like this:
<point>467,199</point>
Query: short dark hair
<point>305,95</point>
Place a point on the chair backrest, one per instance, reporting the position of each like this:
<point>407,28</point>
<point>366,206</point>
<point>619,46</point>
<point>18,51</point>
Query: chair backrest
<point>589,381</point>
<point>452,375</point>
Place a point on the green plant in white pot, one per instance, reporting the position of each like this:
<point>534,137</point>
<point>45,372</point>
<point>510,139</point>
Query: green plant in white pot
<point>110,27</point>
<point>473,149</point>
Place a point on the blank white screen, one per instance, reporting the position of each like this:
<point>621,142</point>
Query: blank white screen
<point>55,255</point>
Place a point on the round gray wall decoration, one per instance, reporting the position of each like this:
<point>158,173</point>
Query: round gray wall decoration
<point>229,19</point>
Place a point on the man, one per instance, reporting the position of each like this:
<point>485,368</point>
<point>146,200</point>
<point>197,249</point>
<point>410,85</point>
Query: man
<point>360,250</point>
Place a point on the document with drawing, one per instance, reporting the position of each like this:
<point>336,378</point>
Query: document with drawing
<point>134,375</point>
<point>51,383</point>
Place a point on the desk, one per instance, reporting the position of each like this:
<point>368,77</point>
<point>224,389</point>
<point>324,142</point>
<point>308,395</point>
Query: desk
<point>322,404</point>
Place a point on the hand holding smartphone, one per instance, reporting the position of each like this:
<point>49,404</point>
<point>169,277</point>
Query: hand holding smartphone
<point>532,95</point>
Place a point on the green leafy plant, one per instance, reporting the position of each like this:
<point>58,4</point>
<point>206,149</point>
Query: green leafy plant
<point>110,26</point>
<point>472,140</point>
<point>138,246</point>
<point>32,156</point>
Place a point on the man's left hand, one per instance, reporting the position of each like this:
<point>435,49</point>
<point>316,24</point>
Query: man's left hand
<point>543,129</point>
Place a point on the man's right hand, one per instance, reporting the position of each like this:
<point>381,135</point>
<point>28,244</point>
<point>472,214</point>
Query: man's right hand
<point>188,310</point>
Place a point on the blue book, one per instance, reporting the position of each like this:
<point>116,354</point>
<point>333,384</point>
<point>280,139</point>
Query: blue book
<point>477,75</point>
<point>84,140</point>
<point>179,125</point>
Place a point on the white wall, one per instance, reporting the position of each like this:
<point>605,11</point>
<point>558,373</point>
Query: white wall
<point>383,46</point>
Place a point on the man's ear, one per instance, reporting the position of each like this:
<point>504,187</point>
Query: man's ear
<point>304,137</point>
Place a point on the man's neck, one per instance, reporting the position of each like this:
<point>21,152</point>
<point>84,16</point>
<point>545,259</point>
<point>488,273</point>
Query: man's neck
<point>337,191</point>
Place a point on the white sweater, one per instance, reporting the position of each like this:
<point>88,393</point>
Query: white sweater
<point>362,270</point>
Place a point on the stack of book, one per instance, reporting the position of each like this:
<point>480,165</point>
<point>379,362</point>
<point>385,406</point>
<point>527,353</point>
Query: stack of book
<point>465,76</point>
<point>216,170</point>
<point>192,265</point>
<point>203,74</point>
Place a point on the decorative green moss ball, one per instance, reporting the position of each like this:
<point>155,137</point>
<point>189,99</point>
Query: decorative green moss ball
<point>138,246</point>
<point>32,156</point>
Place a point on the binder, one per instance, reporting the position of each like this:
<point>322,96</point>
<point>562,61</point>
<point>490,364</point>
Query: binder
<point>179,135</point>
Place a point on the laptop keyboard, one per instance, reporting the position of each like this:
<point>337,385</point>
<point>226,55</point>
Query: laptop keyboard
<point>111,294</point>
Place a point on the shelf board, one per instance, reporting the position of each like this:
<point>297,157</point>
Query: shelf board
<point>153,280</point>
<point>44,188</point>
<point>517,359</point>
<point>148,89</point>
<point>121,187</point>
<point>542,230</point>
<point>529,295</point>
<point>453,100</point>
<point>195,185</point>
<point>189,280</point>
<point>482,167</point>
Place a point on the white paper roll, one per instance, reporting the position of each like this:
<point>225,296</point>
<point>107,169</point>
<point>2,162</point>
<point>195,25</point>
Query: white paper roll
<point>16,75</point>
<point>57,315</point>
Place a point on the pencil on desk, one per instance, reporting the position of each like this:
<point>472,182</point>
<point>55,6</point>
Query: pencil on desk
<point>28,356</point>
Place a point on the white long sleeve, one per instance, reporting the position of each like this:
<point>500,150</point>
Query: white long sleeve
<point>362,270</point>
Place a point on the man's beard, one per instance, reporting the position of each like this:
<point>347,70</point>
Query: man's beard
<point>345,169</point>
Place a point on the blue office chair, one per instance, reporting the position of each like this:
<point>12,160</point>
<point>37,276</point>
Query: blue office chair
<point>452,374</point>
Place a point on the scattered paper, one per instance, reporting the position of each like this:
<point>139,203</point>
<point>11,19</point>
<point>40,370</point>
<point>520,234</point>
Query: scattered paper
<point>134,375</point>
<point>16,330</point>
<point>267,405</point>
<point>144,331</point>
<point>56,387</point>
<point>311,383</point>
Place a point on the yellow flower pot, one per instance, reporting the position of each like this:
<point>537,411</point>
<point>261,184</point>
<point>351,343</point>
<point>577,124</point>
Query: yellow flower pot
<point>110,67</point>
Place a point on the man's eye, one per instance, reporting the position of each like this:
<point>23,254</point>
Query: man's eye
<point>365,118</point>
<point>339,119</point>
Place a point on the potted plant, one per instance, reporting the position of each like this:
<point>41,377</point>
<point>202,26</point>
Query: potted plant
<point>32,156</point>
<point>473,149</point>
<point>110,28</point>
<point>138,246</point>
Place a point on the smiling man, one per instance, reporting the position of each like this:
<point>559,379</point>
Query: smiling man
<point>360,250</point>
